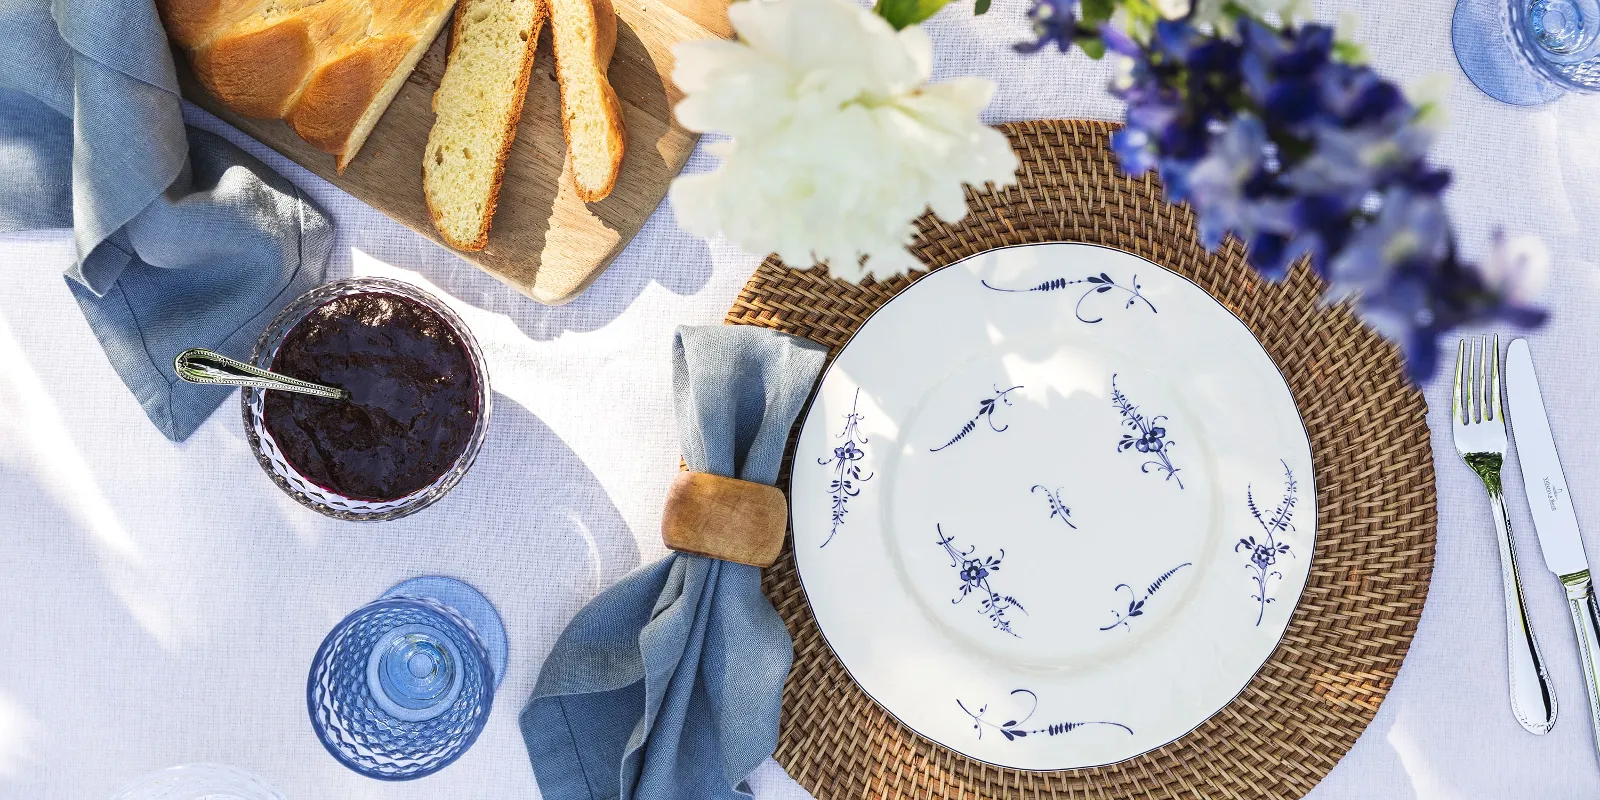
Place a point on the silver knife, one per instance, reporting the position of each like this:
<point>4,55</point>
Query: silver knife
<point>1553,517</point>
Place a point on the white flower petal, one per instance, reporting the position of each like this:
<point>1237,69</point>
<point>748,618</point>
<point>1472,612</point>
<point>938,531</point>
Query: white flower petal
<point>919,48</point>
<point>698,63</point>
<point>693,200</point>
<point>1518,266</point>
<point>1172,9</point>
<point>838,143</point>
<point>1431,94</point>
<point>968,94</point>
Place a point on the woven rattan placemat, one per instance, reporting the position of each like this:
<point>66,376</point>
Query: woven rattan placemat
<point>1375,499</point>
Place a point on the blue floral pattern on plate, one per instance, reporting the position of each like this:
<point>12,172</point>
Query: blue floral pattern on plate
<point>986,409</point>
<point>1205,390</point>
<point>1146,435</point>
<point>1264,552</point>
<point>975,573</point>
<point>1057,508</point>
<point>1014,729</point>
<point>846,471</point>
<point>1098,286</point>
<point>1136,602</point>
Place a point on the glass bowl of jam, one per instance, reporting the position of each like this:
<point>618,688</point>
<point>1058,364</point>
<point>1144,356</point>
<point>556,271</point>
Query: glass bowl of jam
<point>418,408</point>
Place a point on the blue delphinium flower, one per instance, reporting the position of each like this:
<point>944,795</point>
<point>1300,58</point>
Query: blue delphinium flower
<point>1054,22</point>
<point>1177,96</point>
<point>1226,186</point>
<point>1409,227</point>
<point>1270,135</point>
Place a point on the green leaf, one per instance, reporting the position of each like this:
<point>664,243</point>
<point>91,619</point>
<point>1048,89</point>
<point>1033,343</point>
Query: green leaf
<point>1097,11</point>
<point>1430,112</point>
<point>1141,12</point>
<point>980,7</point>
<point>1092,46</point>
<point>1350,52</point>
<point>901,13</point>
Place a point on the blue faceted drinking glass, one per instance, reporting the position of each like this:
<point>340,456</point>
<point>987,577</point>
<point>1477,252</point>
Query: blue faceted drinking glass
<point>403,686</point>
<point>1527,52</point>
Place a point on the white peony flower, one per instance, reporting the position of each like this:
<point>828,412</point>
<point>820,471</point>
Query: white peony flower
<point>837,140</point>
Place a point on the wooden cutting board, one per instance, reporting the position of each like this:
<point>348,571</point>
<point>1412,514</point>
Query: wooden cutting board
<point>545,242</point>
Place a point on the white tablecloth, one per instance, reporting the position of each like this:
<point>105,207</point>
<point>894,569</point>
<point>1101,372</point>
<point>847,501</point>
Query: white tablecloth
<point>161,602</point>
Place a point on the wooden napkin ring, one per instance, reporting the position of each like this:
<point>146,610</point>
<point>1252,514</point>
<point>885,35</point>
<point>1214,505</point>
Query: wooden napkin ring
<point>725,518</point>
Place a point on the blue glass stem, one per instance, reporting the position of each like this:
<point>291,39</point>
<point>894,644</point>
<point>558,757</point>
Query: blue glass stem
<point>414,672</point>
<point>470,604</point>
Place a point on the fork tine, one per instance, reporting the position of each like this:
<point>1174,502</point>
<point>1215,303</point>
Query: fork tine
<point>1495,389</point>
<point>1472,382</point>
<point>1455,399</point>
<point>1483,379</point>
<point>1477,381</point>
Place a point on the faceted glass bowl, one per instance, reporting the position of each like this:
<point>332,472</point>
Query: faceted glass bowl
<point>323,499</point>
<point>400,689</point>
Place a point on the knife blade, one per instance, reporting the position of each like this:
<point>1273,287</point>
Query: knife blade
<point>1553,518</point>
<point>1542,479</point>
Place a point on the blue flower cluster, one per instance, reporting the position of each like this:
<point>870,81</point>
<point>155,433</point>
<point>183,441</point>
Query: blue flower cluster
<point>1270,135</point>
<point>1054,22</point>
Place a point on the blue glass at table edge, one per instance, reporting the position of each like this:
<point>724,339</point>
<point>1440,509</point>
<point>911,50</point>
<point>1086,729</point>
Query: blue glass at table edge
<point>1528,52</point>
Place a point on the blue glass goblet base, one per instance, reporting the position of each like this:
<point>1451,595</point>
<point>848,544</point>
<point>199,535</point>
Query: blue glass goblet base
<point>403,685</point>
<point>1481,34</point>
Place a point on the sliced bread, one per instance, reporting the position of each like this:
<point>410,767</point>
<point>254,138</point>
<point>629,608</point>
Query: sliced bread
<point>476,110</point>
<point>585,33</point>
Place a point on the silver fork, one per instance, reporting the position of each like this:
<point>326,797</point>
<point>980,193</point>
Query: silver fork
<point>1480,434</point>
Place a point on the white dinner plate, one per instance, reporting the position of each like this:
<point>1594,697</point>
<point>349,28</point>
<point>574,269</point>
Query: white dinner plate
<point>1053,506</point>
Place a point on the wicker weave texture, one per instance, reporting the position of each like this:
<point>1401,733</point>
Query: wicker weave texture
<point>1375,497</point>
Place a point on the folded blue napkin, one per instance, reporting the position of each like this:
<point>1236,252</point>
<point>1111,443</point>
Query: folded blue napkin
<point>183,239</point>
<point>668,685</point>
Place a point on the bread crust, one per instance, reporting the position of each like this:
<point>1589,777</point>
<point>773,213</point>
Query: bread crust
<point>605,34</point>
<point>605,43</point>
<point>258,73</point>
<point>322,65</point>
<point>481,240</point>
<point>189,22</point>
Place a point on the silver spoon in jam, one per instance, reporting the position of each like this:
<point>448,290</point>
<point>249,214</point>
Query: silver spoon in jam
<point>199,365</point>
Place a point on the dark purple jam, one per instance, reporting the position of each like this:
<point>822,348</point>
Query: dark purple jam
<point>413,396</point>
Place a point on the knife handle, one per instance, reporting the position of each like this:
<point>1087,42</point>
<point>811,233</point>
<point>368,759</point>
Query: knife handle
<point>1586,618</point>
<point>1533,702</point>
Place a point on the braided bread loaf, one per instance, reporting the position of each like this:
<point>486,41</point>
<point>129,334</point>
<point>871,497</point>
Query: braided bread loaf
<point>327,67</point>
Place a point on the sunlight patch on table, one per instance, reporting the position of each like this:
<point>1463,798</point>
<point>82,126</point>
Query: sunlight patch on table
<point>363,265</point>
<point>1425,780</point>
<point>28,416</point>
<point>19,733</point>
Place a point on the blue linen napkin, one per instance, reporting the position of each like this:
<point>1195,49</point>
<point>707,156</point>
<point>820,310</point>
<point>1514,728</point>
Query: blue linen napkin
<point>183,239</point>
<point>668,685</point>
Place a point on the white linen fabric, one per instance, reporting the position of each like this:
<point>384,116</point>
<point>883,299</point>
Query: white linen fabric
<point>162,601</point>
